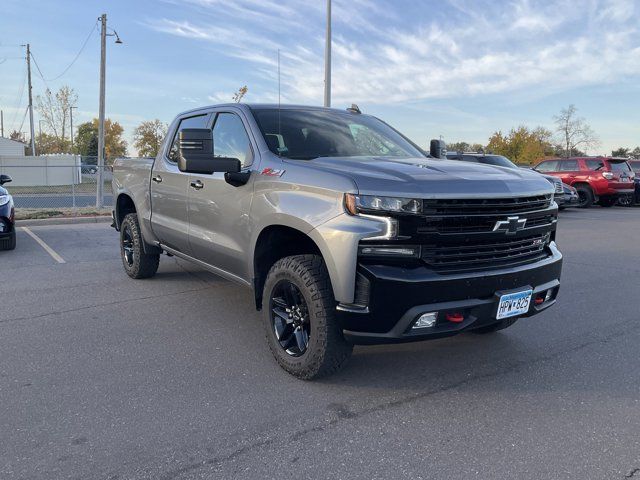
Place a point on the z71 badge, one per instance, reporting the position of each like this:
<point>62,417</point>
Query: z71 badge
<point>272,172</point>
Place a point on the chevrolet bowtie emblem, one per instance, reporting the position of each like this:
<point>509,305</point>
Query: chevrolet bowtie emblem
<point>510,226</point>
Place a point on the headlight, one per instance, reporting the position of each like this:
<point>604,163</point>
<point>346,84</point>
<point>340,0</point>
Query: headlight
<point>4,199</point>
<point>607,175</point>
<point>355,204</point>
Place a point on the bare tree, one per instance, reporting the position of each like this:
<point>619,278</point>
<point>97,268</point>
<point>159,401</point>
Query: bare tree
<point>148,136</point>
<point>55,110</point>
<point>242,91</point>
<point>574,131</point>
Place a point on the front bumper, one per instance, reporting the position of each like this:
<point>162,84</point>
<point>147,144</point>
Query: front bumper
<point>398,296</point>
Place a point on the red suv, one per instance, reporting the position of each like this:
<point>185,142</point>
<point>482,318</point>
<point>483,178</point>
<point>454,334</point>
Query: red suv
<point>597,179</point>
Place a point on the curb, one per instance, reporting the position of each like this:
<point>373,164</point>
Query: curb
<point>63,221</point>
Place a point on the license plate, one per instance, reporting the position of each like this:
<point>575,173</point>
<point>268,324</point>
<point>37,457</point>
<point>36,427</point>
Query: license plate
<point>513,304</point>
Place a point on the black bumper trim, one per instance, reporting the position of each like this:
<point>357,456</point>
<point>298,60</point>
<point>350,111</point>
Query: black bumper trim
<point>398,297</point>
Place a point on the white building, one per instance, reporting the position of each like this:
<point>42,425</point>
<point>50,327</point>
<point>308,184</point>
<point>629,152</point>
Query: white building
<point>11,148</point>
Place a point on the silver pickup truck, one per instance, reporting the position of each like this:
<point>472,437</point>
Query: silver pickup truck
<point>347,232</point>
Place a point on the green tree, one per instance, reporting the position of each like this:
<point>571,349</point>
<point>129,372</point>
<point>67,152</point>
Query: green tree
<point>521,145</point>
<point>86,141</point>
<point>148,136</point>
<point>47,144</point>
<point>621,152</point>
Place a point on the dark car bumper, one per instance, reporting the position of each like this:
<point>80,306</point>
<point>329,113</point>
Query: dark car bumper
<point>6,221</point>
<point>398,296</point>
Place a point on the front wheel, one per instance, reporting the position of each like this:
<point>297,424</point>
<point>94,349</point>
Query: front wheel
<point>136,263</point>
<point>299,318</point>
<point>9,243</point>
<point>585,196</point>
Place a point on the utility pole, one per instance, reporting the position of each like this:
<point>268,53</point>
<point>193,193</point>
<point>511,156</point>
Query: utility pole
<point>33,140</point>
<point>103,65</point>
<point>71,126</point>
<point>327,59</point>
<point>1,123</point>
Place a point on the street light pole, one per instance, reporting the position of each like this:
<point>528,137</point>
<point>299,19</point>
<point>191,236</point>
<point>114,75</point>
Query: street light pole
<point>103,64</point>
<point>33,140</point>
<point>327,59</point>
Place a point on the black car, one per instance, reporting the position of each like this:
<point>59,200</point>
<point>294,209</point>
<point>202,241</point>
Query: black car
<point>561,198</point>
<point>635,165</point>
<point>7,225</point>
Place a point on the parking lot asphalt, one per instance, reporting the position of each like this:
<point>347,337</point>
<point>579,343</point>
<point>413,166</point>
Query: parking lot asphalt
<point>170,378</point>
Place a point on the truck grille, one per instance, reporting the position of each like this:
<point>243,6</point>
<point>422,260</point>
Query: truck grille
<point>457,235</point>
<point>486,253</point>
<point>471,206</point>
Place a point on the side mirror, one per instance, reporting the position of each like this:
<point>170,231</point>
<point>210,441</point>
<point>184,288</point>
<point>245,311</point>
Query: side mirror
<point>196,153</point>
<point>5,179</point>
<point>438,149</point>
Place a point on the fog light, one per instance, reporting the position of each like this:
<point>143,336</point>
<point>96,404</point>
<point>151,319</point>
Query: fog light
<point>426,320</point>
<point>548,295</point>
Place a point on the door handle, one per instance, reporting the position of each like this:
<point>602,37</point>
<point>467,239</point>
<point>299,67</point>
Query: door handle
<point>197,184</point>
<point>157,179</point>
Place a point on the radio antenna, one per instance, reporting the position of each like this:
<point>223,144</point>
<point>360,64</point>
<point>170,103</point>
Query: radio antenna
<point>279,128</point>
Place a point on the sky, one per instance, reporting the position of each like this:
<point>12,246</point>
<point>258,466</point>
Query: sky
<point>462,69</point>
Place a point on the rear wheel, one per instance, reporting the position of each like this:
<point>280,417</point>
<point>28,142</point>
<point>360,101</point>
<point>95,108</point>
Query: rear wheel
<point>9,243</point>
<point>136,263</point>
<point>495,327</point>
<point>607,201</point>
<point>585,196</point>
<point>299,318</point>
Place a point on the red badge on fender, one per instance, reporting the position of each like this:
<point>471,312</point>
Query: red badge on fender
<point>272,172</point>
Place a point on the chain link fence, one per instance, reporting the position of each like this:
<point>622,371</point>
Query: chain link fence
<point>59,190</point>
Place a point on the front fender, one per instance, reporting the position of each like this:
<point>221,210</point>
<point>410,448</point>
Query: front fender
<point>338,241</point>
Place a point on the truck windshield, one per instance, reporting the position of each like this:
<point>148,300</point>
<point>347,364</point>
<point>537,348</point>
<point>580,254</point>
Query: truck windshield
<point>308,134</point>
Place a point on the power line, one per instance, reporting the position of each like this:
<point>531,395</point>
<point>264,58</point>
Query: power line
<point>23,119</point>
<point>39,71</point>
<point>17,108</point>
<point>84,44</point>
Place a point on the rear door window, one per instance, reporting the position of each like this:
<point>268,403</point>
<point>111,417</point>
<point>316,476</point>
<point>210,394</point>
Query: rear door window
<point>568,166</point>
<point>550,166</point>
<point>594,164</point>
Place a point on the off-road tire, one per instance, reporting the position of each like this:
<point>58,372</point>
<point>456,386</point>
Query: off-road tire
<point>143,265</point>
<point>586,196</point>
<point>9,243</point>
<point>495,327</point>
<point>327,350</point>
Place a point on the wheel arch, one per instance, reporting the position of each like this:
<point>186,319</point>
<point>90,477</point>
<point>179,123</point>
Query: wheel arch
<point>125,205</point>
<point>273,243</point>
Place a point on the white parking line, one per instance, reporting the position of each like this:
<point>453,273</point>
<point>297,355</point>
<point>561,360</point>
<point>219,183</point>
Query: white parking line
<point>46,247</point>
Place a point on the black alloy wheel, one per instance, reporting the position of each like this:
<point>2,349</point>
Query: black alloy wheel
<point>585,197</point>
<point>127,245</point>
<point>290,318</point>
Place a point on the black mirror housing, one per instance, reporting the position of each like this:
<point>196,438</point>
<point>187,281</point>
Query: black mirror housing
<point>438,149</point>
<point>5,179</point>
<point>196,153</point>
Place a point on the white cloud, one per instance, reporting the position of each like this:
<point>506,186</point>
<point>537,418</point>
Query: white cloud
<point>379,57</point>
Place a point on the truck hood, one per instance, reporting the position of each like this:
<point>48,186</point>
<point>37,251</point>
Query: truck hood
<point>433,178</point>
